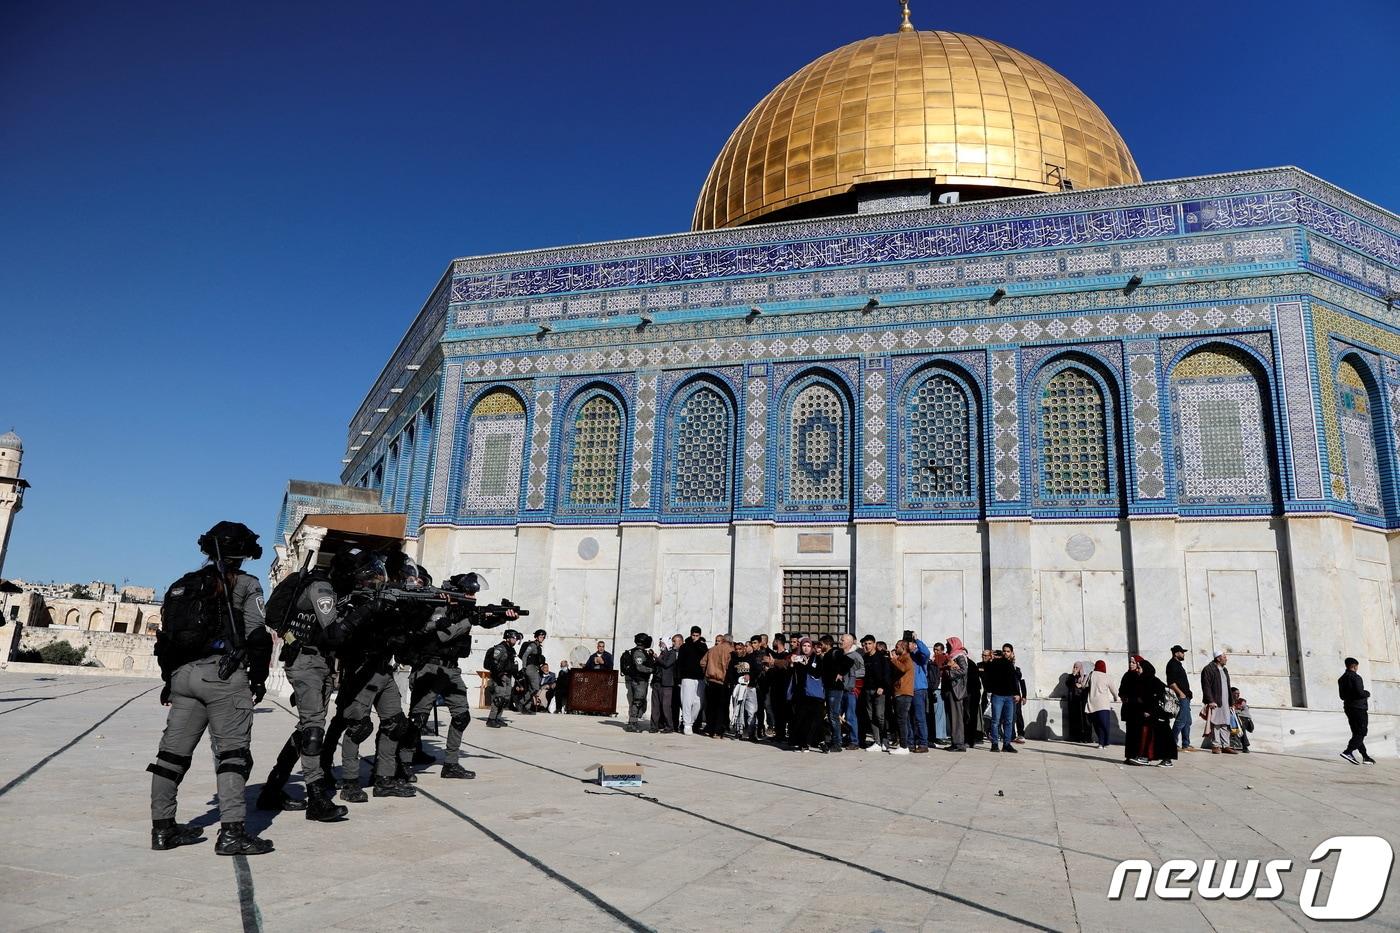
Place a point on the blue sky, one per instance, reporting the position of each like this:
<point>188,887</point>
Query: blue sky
<point>216,221</point>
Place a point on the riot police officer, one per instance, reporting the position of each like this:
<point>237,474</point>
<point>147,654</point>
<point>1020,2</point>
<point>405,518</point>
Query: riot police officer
<point>503,665</point>
<point>531,657</point>
<point>214,655</point>
<point>301,611</point>
<point>365,629</point>
<point>436,671</point>
<point>638,664</point>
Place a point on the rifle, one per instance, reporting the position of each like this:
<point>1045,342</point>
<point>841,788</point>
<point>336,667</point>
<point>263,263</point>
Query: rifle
<point>494,614</point>
<point>236,654</point>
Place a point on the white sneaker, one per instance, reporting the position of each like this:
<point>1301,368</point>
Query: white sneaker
<point>899,751</point>
<point>874,748</point>
<point>1168,764</point>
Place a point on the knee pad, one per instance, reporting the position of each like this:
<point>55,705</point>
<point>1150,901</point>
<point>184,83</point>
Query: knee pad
<point>235,761</point>
<point>395,726</point>
<point>170,766</point>
<point>312,740</point>
<point>462,719</point>
<point>357,730</point>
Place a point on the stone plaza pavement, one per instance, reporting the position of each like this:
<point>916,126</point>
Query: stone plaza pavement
<point>724,835</point>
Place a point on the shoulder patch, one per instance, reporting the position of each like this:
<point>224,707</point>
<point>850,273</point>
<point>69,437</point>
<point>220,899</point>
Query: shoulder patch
<point>325,605</point>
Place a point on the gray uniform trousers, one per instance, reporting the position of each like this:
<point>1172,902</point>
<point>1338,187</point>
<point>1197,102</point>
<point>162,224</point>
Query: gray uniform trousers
<point>637,688</point>
<point>431,678</point>
<point>310,677</point>
<point>382,695</point>
<point>502,687</point>
<point>199,699</point>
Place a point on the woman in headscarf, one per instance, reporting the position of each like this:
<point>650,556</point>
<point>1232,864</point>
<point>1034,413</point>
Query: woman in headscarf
<point>1077,693</point>
<point>1100,700</point>
<point>1155,742</point>
<point>1130,693</point>
<point>957,694</point>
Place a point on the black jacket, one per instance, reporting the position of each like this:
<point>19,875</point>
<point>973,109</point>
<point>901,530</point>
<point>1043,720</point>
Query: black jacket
<point>688,663</point>
<point>1352,691</point>
<point>999,678</point>
<point>877,672</point>
<point>835,668</point>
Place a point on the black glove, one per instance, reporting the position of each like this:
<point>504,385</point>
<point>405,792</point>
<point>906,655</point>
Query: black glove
<point>165,694</point>
<point>259,691</point>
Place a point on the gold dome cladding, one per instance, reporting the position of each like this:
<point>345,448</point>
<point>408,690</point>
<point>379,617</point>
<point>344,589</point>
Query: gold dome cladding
<point>955,109</point>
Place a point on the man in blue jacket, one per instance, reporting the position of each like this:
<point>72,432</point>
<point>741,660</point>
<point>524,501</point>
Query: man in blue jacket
<point>918,719</point>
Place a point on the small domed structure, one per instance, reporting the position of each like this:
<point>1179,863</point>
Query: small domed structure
<point>10,441</point>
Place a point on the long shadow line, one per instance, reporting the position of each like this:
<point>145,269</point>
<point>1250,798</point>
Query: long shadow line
<point>57,696</point>
<point>875,872</point>
<point>630,922</point>
<point>836,797</point>
<point>247,905</point>
<point>74,741</point>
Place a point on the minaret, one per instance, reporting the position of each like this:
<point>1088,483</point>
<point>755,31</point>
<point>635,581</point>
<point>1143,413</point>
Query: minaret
<point>11,487</point>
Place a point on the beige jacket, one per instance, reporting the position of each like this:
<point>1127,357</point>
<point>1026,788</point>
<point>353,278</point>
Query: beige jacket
<point>1102,695</point>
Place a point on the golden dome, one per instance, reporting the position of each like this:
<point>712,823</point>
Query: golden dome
<point>958,111</point>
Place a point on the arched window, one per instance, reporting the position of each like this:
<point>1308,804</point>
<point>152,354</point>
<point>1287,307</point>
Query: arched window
<point>940,448</point>
<point>1221,441</point>
<point>496,438</point>
<point>817,453</point>
<point>595,450</point>
<point>1074,441</point>
<point>700,461</point>
<point>1355,414</point>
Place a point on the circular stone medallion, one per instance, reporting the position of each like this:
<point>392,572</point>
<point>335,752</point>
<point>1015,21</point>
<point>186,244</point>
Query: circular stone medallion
<point>588,548</point>
<point>1080,547</point>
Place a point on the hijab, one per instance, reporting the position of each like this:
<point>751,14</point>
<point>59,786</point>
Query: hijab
<point>1101,667</point>
<point>1148,671</point>
<point>1079,673</point>
<point>955,647</point>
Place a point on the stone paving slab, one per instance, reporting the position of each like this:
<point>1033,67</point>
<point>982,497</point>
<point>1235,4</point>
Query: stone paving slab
<point>724,835</point>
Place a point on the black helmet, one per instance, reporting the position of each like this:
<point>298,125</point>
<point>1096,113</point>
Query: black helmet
<point>357,567</point>
<point>642,639</point>
<point>512,633</point>
<point>230,541</point>
<point>540,631</point>
<point>467,583</point>
<point>402,569</point>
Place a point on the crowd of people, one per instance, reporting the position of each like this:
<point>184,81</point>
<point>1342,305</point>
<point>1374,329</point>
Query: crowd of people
<point>831,694</point>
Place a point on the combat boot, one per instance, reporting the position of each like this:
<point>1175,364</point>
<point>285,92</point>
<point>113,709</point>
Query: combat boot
<point>321,808</point>
<point>352,792</point>
<point>234,840</point>
<point>390,787</point>
<point>273,798</point>
<point>168,834</point>
<point>456,771</point>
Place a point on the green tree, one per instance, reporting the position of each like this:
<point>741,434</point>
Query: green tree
<point>79,591</point>
<point>60,652</point>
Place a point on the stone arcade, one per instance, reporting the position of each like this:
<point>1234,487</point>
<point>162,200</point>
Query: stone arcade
<point>980,380</point>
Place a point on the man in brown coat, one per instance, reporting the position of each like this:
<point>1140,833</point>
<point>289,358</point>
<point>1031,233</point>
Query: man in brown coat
<point>715,664</point>
<point>1215,693</point>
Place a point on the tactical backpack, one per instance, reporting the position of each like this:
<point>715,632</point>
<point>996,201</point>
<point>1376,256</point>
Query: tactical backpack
<point>190,616</point>
<point>629,663</point>
<point>280,605</point>
<point>493,660</point>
